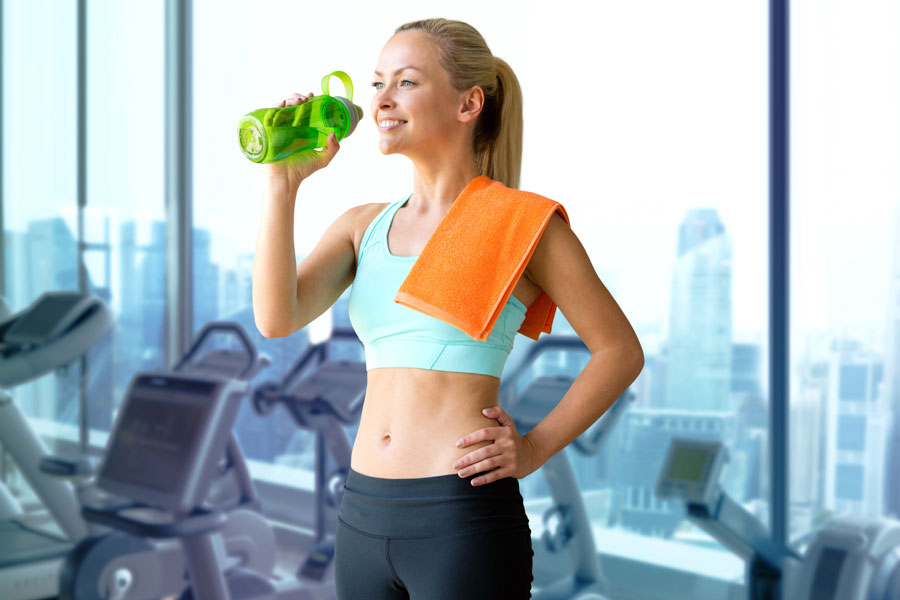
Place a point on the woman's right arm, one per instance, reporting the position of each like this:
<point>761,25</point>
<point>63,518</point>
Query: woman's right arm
<point>276,306</point>
<point>274,280</point>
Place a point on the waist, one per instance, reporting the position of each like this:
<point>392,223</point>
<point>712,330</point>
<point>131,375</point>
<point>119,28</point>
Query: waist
<point>430,506</point>
<point>411,419</point>
<point>477,358</point>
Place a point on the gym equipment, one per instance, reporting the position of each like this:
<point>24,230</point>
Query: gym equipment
<point>849,558</point>
<point>53,331</point>
<point>177,427</point>
<point>328,398</point>
<point>125,567</point>
<point>565,563</point>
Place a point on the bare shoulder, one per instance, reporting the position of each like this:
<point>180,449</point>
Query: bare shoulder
<point>363,215</point>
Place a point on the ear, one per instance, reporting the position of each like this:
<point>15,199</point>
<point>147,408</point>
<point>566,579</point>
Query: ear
<point>471,103</point>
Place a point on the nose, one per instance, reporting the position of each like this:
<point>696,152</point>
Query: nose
<point>384,96</point>
<point>381,104</point>
<point>384,100</point>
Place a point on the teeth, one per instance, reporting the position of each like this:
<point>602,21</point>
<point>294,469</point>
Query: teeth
<point>389,123</point>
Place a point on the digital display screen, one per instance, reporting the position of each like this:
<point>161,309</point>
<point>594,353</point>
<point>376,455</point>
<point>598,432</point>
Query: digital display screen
<point>41,319</point>
<point>153,441</point>
<point>689,464</point>
<point>828,573</point>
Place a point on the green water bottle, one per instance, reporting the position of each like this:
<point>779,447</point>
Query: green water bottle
<point>271,134</point>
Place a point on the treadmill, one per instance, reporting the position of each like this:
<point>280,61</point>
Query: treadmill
<point>56,329</point>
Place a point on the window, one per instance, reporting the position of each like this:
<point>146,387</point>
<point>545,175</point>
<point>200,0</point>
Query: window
<point>845,228</point>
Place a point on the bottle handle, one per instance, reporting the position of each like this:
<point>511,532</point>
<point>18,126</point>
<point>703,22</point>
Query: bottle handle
<point>345,79</point>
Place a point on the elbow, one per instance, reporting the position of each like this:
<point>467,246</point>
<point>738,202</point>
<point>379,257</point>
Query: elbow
<point>639,352</point>
<point>638,361</point>
<point>272,334</point>
<point>632,359</point>
<point>271,324</point>
<point>275,332</point>
<point>265,329</point>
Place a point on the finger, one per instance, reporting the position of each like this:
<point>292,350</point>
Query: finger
<point>482,435</point>
<point>465,461</point>
<point>486,475</point>
<point>477,457</point>
<point>495,412</point>
<point>469,439</point>
<point>474,469</point>
<point>473,437</point>
<point>484,479</point>
<point>503,418</point>
<point>331,147</point>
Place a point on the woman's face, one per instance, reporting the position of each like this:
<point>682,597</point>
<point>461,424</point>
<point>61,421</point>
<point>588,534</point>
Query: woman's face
<point>412,87</point>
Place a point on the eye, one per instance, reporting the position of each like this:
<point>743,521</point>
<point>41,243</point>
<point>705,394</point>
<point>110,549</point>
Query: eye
<point>375,84</point>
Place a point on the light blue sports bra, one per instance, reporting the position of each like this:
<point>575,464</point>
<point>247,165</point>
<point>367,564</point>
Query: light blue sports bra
<point>395,335</point>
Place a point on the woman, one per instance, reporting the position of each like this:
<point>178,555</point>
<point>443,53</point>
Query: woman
<point>431,508</point>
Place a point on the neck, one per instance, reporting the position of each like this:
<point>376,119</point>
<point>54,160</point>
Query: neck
<point>439,178</point>
<point>435,189</point>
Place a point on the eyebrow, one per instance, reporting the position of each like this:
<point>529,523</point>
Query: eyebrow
<point>401,68</point>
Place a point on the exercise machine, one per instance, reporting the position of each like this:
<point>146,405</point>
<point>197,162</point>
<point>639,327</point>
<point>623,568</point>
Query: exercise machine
<point>322,394</point>
<point>177,426</point>
<point>91,561</point>
<point>849,558</point>
<point>56,329</point>
<point>126,567</point>
<point>565,563</point>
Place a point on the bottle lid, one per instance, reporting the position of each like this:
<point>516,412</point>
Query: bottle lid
<point>355,112</point>
<point>252,138</point>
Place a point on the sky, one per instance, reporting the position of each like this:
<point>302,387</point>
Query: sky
<point>632,118</point>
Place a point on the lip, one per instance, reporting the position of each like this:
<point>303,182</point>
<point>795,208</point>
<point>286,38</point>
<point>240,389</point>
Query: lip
<point>392,127</point>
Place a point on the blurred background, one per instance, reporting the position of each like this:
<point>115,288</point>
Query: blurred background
<point>648,120</point>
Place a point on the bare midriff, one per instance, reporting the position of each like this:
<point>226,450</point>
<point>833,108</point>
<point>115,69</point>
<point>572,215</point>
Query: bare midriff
<point>412,418</point>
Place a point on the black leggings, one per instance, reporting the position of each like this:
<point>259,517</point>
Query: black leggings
<point>432,538</point>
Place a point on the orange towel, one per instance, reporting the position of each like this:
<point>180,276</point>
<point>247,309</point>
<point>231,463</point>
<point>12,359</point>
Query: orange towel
<point>471,263</point>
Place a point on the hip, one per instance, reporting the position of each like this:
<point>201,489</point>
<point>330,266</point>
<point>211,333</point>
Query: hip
<point>443,505</point>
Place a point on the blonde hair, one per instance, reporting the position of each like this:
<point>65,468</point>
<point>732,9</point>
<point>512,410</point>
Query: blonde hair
<point>465,56</point>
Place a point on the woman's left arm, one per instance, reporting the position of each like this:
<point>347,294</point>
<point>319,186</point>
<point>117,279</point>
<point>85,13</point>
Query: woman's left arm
<point>561,267</point>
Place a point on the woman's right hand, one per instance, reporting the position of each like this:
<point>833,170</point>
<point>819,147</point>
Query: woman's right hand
<point>293,169</point>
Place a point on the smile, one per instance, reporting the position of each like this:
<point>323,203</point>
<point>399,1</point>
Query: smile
<point>389,125</point>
